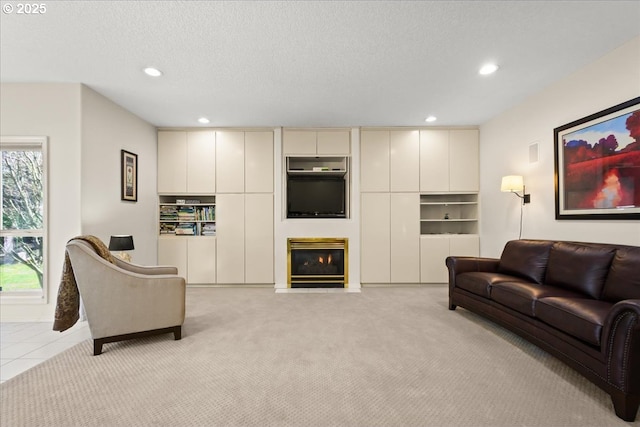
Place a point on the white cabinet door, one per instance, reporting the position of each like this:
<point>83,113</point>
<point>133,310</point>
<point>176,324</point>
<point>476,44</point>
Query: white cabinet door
<point>230,238</point>
<point>201,162</point>
<point>404,157</point>
<point>229,162</point>
<point>464,245</point>
<point>375,238</point>
<point>374,161</point>
<point>434,160</point>
<point>334,142</point>
<point>298,142</point>
<point>201,260</point>
<point>464,160</point>
<point>434,250</point>
<point>405,238</point>
<point>173,251</point>
<point>258,162</point>
<point>259,256</point>
<point>172,162</point>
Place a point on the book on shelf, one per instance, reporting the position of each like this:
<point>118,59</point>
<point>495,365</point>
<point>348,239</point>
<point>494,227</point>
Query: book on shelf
<point>208,229</point>
<point>206,213</point>
<point>186,228</point>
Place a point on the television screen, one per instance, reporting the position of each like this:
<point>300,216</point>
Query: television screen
<point>315,197</point>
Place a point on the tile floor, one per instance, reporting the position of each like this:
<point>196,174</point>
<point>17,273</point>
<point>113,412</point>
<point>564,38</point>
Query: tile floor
<point>23,345</point>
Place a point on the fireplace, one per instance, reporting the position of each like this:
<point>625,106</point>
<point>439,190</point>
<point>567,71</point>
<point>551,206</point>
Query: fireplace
<point>317,262</point>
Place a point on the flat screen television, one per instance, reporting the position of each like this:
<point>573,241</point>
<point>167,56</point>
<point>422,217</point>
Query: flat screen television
<point>316,197</point>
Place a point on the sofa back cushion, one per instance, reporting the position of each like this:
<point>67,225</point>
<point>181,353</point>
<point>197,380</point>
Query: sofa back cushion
<point>525,258</point>
<point>623,280</point>
<point>581,268</point>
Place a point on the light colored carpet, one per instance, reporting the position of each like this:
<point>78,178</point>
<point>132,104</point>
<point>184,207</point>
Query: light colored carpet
<point>390,356</point>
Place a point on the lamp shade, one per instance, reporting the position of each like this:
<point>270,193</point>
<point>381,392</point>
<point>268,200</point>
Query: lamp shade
<point>121,243</point>
<point>512,183</point>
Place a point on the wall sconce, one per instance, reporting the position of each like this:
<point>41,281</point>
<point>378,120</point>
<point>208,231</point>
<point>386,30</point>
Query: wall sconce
<point>121,243</point>
<point>513,184</point>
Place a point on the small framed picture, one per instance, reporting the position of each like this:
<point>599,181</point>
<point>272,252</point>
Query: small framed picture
<point>129,176</point>
<point>597,165</point>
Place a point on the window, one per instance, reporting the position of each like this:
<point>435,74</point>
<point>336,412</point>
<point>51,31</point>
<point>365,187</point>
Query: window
<point>23,205</point>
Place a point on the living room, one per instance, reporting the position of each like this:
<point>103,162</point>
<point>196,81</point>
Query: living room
<point>86,132</point>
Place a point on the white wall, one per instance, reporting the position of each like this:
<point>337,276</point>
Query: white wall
<point>504,150</point>
<point>85,134</point>
<point>108,128</point>
<point>51,110</point>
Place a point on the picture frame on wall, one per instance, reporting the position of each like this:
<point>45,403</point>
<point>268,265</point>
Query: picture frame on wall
<point>597,165</point>
<point>128,176</point>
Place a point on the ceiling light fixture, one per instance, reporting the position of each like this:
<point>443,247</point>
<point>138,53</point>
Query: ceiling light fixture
<point>488,69</point>
<point>153,72</point>
<point>203,120</point>
<point>431,119</point>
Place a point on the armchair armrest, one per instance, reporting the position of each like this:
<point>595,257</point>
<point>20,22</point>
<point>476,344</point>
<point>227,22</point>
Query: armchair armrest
<point>621,345</point>
<point>148,270</point>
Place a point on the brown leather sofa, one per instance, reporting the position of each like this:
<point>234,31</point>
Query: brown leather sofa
<point>577,301</point>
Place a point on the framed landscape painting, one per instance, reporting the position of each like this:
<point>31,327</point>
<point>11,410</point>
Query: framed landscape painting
<point>597,165</point>
<point>129,176</point>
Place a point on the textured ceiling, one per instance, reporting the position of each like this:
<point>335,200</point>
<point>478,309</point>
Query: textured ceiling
<point>308,63</point>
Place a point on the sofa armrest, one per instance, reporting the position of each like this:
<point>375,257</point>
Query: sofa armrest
<point>461,264</point>
<point>621,345</point>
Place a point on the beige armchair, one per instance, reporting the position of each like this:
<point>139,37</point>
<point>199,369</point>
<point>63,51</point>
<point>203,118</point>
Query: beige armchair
<point>124,301</point>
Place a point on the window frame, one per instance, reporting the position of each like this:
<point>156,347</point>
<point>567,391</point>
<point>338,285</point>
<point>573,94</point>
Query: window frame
<point>39,143</point>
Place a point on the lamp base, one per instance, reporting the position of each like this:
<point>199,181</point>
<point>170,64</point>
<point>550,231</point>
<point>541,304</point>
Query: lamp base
<point>123,256</point>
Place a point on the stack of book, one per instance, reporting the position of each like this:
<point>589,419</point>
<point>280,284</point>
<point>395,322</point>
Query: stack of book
<point>168,213</point>
<point>186,228</point>
<point>209,229</point>
<point>186,213</point>
<point>167,228</point>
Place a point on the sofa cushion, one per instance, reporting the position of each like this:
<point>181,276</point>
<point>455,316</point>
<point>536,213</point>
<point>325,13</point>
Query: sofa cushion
<point>525,258</point>
<point>623,280</point>
<point>580,317</point>
<point>581,268</point>
<point>522,296</point>
<point>480,283</point>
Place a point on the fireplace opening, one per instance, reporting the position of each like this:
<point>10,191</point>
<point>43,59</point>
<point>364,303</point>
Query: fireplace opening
<point>317,262</point>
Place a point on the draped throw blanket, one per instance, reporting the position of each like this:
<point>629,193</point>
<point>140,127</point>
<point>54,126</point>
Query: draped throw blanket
<point>68,303</point>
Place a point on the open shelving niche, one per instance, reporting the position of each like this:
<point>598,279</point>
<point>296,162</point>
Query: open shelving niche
<point>187,215</point>
<point>314,165</point>
<point>317,165</point>
<point>448,213</point>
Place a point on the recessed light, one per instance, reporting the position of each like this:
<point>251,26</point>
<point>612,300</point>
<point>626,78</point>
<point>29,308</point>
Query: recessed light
<point>153,72</point>
<point>203,120</point>
<point>488,69</point>
<point>431,119</point>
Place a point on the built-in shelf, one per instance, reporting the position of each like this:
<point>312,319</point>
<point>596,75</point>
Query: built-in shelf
<point>187,215</point>
<point>450,213</point>
<point>317,165</point>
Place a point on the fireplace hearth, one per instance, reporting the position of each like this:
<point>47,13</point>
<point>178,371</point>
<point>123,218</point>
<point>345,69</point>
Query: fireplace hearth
<point>317,262</point>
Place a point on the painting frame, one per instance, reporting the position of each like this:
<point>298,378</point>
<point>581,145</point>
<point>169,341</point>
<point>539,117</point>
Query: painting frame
<point>128,176</point>
<point>597,165</point>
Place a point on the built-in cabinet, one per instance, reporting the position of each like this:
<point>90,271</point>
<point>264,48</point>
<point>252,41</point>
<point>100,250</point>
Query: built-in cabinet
<point>228,175</point>
<point>195,257</point>
<point>418,202</point>
<point>325,142</point>
<point>186,162</point>
<point>449,160</point>
<point>245,238</point>
<point>389,160</point>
